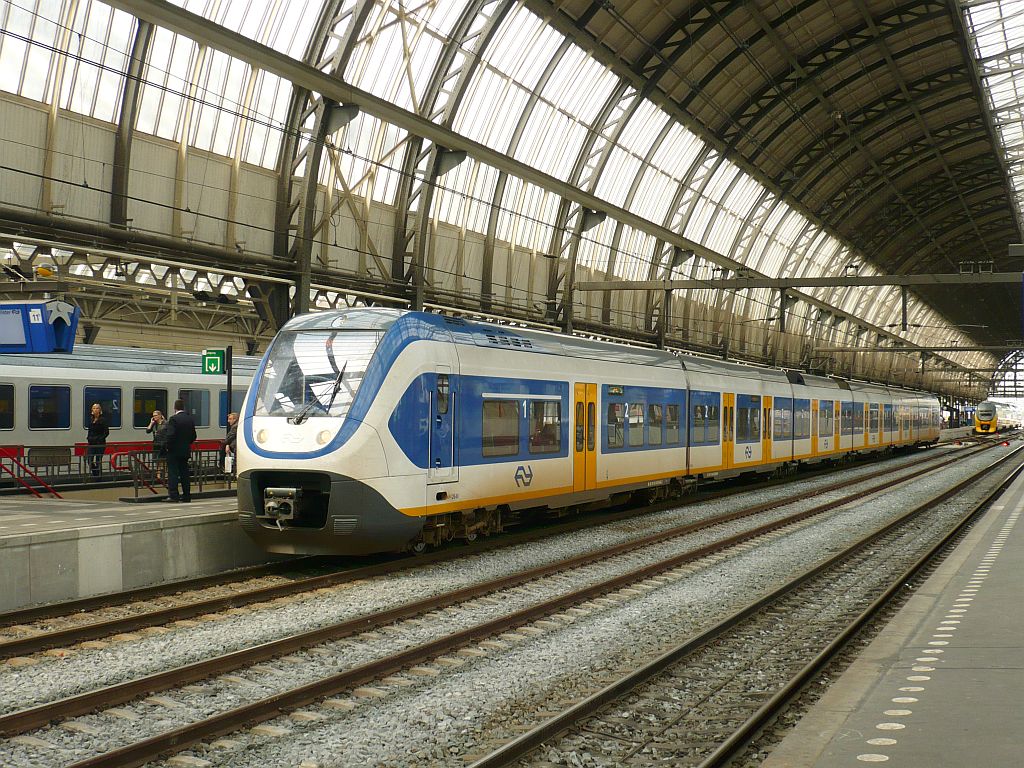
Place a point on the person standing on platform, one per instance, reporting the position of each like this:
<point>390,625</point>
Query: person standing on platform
<point>180,434</point>
<point>158,428</point>
<point>97,439</point>
<point>229,444</point>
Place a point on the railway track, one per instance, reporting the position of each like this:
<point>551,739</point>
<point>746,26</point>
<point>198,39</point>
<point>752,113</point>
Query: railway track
<point>518,624</point>
<point>35,630</point>
<point>785,639</point>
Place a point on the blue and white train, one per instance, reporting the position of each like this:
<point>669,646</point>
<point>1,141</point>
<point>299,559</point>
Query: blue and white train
<point>369,430</point>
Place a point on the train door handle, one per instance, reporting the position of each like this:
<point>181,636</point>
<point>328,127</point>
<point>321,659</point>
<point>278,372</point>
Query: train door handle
<point>439,421</point>
<point>437,462</point>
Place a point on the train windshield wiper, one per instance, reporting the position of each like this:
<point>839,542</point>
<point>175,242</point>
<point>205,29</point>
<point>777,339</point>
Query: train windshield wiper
<point>307,410</point>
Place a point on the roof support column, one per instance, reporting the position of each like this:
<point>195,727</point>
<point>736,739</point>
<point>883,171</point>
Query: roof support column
<point>126,125</point>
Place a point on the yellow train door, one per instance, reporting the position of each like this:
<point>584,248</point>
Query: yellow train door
<point>728,429</point>
<point>584,454</point>
<point>766,430</point>
<point>814,427</point>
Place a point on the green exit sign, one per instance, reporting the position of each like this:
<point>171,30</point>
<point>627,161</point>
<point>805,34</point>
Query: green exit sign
<point>213,361</point>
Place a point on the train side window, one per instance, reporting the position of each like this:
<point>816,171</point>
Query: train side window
<point>636,425</point>
<point>873,418</point>
<point>545,426</point>
<point>6,406</point>
<point>145,402</point>
<point>500,428</point>
<point>616,422</point>
<point>672,424</point>
<point>197,404</point>
<point>742,424</point>
<point>801,419</point>
<point>443,390</point>
<point>591,426</point>
<point>654,424</point>
<point>782,418</point>
<point>858,417</point>
<point>109,399</point>
<point>826,419</point>
<point>714,424</point>
<point>580,427</point>
<point>49,407</point>
<point>698,424</point>
<point>846,418</point>
<point>748,419</point>
<point>237,396</point>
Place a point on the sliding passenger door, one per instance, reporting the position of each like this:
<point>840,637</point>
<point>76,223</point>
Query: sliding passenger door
<point>584,454</point>
<point>814,427</point>
<point>728,430</point>
<point>442,468</point>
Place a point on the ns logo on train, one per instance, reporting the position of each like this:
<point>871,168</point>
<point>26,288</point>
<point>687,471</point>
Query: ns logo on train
<point>524,476</point>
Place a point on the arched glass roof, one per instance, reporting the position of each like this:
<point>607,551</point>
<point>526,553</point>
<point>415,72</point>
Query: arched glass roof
<point>229,143</point>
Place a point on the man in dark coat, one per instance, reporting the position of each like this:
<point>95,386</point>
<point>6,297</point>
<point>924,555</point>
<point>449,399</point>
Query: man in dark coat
<point>180,434</point>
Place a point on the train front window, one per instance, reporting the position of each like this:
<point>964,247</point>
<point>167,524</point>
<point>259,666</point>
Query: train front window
<point>315,373</point>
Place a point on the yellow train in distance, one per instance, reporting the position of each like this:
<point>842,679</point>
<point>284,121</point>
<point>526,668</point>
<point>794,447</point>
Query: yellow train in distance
<point>991,417</point>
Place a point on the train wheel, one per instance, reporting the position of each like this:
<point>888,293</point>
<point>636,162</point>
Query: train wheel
<point>419,547</point>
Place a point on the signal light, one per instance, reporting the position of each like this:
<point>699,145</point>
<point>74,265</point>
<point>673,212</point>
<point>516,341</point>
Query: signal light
<point>1005,442</point>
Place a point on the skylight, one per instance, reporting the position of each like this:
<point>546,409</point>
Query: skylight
<point>996,34</point>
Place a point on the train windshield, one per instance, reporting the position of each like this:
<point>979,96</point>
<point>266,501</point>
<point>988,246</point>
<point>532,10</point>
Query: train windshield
<point>315,373</point>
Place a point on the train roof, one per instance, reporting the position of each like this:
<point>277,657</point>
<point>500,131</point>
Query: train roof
<point>428,325</point>
<point>91,357</point>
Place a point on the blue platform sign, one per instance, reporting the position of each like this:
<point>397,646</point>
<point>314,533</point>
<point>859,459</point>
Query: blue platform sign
<point>37,326</point>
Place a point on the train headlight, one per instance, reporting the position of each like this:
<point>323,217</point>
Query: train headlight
<point>261,436</point>
<point>323,437</point>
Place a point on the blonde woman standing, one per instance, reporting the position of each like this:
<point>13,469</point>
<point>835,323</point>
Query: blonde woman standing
<point>158,428</point>
<point>97,439</point>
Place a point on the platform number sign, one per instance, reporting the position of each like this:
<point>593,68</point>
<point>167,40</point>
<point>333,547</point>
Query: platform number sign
<point>213,361</point>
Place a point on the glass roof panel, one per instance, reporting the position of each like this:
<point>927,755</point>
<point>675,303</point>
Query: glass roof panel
<point>635,255</point>
<point>657,190</point>
<point>25,48</point>
<point>551,141</point>
<point>618,175</point>
<point>996,33</point>
<point>264,120</point>
<point>526,215</point>
<point>94,79</point>
<point>522,48</point>
<point>579,85</point>
<point>167,74</point>
<point>285,26</point>
<point>367,160</point>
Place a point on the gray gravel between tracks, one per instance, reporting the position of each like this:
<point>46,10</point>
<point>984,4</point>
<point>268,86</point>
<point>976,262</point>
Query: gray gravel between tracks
<point>533,668</point>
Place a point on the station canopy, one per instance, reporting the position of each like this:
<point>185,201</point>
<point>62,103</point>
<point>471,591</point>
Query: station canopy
<point>487,157</point>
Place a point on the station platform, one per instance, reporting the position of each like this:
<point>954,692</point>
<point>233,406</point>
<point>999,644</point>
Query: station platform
<point>61,549</point>
<point>942,685</point>
<point>91,543</point>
